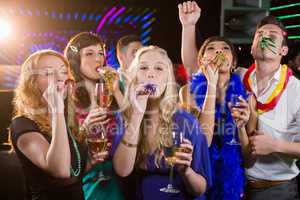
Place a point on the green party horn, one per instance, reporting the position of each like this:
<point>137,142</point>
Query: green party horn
<point>267,43</point>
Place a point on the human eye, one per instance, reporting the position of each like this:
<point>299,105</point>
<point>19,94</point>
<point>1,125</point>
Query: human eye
<point>158,67</point>
<point>209,48</point>
<point>88,53</point>
<point>144,67</point>
<point>226,48</point>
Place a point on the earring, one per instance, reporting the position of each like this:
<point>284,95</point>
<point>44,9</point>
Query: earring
<point>232,69</point>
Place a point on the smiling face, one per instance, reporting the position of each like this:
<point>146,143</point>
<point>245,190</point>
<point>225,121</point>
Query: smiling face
<point>216,47</point>
<point>153,69</point>
<point>51,68</point>
<point>92,57</point>
<point>273,32</point>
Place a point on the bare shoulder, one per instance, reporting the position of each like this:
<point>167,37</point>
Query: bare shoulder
<point>34,146</point>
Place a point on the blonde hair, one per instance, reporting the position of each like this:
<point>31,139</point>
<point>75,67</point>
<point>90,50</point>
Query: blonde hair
<point>166,109</point>
<point>28,100</point>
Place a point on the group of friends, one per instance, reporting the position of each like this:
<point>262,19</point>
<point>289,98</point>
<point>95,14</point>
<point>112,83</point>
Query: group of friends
<point>229,149</point>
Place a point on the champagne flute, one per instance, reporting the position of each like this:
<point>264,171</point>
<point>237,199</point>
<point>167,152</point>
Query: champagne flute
<point>171,145</point>
<point>235,105</point>
<point>103,93</point>
<point>97,139</point>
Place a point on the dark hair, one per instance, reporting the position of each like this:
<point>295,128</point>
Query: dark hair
<point>294,51</point>
<point>272,20</point>
<point>214,39</point>
<point>125,41</point>
<point>72,53</point>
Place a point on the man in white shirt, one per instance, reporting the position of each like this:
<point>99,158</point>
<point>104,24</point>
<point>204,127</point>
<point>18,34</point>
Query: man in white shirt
<point>275,145</point>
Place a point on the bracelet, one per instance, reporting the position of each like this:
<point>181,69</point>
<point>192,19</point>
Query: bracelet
<point>128,144</point>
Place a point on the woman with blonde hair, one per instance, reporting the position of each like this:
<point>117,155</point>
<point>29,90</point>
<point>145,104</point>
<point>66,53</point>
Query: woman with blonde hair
<point>151,121</point>
<point>52,159</point>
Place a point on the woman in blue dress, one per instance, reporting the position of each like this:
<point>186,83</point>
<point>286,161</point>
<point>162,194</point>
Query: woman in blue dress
<point>216,78</point>
<point>150,116</point>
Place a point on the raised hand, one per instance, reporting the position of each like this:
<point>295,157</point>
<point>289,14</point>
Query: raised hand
<point>184,159</point>
<point>262,143</point>
<point>211,72</point>
<point>241,114</point>
<point>96,116</point>
<point>99,157</point>
<point>189,13</point>
<point>54,95</point>
<point>139,99</point>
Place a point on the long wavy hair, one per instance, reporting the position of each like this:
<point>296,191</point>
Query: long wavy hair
<point>72,53</point>
<point>28,100</point>
<point>166,109</point>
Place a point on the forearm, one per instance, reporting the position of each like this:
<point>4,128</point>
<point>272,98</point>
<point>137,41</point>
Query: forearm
<point>207,117</point>
<point>288,148</point>
<point>194,183</point>
<point>58,157</point>
<point>252,123</point>
<point>189,48</point>
<point>119,98</point>
<point>125,156</point>
<point>248,157</point>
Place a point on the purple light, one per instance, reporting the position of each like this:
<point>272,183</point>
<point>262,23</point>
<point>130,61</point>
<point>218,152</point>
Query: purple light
<point>118,20</point>
<point>98,17</point>
<point>37,13</point>
<point>136,18</point>
<point>122,9</point>
<point>127,19</point>
<point>101,24</point>
<point>29,12</point>
<point>91,16</point>
<point>21,11</point>
<point>76,16</point>
<point>53,14</point>
<point>146,33</point>
<point>145,41</point>
<point>68,16</point>
<point>83,17</point>
<point>147,16</point>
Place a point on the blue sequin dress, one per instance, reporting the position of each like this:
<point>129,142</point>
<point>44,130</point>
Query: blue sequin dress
<point>226,160</point>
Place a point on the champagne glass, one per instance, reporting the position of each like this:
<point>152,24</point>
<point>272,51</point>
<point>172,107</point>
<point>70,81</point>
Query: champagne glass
<point>97,138</point>
<point>97,143</point>
<point>103,93</point>
<point>171,145</point>
<point>235,105</point>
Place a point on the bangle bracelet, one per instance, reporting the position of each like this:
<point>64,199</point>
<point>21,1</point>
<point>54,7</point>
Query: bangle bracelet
<point>128,144</point>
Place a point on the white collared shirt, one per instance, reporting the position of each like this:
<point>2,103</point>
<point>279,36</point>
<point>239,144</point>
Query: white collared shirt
<point>283,122</point>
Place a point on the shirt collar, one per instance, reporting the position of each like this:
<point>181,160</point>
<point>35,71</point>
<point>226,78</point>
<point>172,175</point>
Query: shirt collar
<point>275,77</point>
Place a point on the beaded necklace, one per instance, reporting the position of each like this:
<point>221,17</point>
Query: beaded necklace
<point>75,172</point>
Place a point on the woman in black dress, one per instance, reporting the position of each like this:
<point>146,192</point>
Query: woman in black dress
<point>52,157</point>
